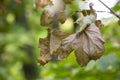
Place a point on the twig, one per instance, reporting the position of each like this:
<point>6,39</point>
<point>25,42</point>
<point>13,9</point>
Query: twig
<point>111,11</point>
<point>104,12</point>
<point>77,11</point>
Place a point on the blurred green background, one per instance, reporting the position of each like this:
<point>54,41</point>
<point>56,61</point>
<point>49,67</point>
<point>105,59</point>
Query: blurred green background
<point>20,31</point>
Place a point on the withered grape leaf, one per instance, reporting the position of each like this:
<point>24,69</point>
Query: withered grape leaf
<point>88,45</point>
<point>50,12</point>
<point>49,45</point>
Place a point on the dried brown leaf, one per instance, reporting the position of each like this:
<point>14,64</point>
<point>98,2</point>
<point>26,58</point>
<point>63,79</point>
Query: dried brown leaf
<point>91,44</point>
<point>88,45</point>
<point>47,18</point>
<point>54,12</point>
<point>49,45</point>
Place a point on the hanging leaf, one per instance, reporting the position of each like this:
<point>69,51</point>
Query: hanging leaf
<point>88,45</point>
<point>50,12</point>
<point>92,47</point>
<point>49,45</point>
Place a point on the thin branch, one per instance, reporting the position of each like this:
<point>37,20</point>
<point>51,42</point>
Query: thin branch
<point>79,11</point>
<point>103,11</point>
<point>111,11</point>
